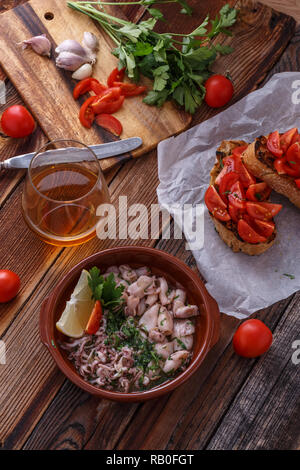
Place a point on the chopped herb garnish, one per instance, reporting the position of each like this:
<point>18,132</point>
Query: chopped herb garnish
<point>105,289</point>
<point>290,276</point>
<point>258,196</point>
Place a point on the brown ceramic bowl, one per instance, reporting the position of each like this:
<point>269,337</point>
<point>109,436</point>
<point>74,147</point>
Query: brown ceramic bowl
<point>176,272</point>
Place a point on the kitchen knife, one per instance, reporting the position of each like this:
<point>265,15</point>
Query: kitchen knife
<point>68,154</point>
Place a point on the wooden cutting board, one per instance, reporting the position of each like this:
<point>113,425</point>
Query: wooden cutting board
<point>47,90</point>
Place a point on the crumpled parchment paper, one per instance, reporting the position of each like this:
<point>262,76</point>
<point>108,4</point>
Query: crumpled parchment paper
<point>241,284</point>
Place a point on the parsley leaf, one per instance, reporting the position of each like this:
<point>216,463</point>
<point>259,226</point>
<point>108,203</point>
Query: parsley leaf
<point>105,289</point>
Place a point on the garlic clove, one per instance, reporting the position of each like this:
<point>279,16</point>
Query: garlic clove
<point>69,61</point>
<point>90,41</point>
<point>70,45</point>
<point>40,44</point>
<point>84,71</point>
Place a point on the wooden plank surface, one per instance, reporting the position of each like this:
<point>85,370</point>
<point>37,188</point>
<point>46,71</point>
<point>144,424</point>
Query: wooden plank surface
<point>47,90</point>
<point>58,415</point>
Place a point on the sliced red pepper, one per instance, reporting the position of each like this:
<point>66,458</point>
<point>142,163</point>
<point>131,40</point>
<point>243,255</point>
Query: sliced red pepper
<point>86,113</point>
<point>130,89</point>
<point>110,123</point>
<point>88,84</point>
<point>95,319</point>
<point>116,76</point>
<point>273,144</point>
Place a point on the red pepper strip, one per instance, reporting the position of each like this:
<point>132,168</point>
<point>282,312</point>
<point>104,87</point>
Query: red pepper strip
<point>110,123</point>
<point>130,89</point>
<point>88,84</point>
<point>116,76</point>
<point>86,113</point>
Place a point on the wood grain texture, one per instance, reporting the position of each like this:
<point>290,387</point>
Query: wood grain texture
<point>47,90</point>
<point>55,414</point>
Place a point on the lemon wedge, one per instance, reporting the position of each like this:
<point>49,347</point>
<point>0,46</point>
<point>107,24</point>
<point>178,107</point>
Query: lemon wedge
<point>78,309</point>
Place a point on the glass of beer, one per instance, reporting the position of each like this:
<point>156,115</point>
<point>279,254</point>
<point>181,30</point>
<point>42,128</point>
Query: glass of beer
<point>63,188</point>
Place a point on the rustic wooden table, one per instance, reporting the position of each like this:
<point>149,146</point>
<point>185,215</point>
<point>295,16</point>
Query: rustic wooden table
<point>230,403</point>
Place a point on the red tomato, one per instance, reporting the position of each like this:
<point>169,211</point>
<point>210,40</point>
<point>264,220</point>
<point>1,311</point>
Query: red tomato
<point>115,76</point>
<point>252,338</point>
<point>262,210</point>
<point>228,166</point>
<point>248,234</point>
<point>86,113</point>
<point>219,91</point>
<point>109,102</point>
<point>273,144</point>
<point>293,154</point>
<point>88,84</point>
<point>258,192</point>
<point>95,319</point>
<point>298,183</point>
<point>287,138</point>
<point>263,227</point>
<point>17,122</point>
<point>245,177</point>
<point>236,197</point>
<point>130,89</point>
<point>239,150</point>
<point>216,205</point>
<point>9,285</point>
<point>225,184</point>
<point>283,168</point>
<point>235,213</point>
<point>110,123</point>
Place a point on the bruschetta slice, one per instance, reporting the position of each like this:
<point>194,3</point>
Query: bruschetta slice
<point>238,202</point>
<point>275,159</point>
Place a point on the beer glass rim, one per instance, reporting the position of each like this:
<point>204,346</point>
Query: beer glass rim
<point>39,152</point>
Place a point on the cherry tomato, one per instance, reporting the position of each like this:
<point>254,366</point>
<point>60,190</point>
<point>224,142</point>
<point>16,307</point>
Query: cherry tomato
<point>287,138</point>
<point>110,123</point>
<point>86,113</point>
<point>248,234</point>
<point>95,319</point>
<point>115,76</point>
<point>263,227</point>
<point>88,84</point>
<point>283,168</point>
<point>273,144</point>
<point>252,338</point>
<point>130,89</point>
<point>293,154</point>
<point>245,176</point>
<point>258,192</point>
<point>9,285</point>
<point>262,210</point>
<point>225,184</point>
<point>239,150</point>
<point>236,213</point>
<point>109,102</point>
<point>216,205</point>
<point>17,122</point>
<point>228,166</point>
<point>219,91</point>
<point>298,183</point>
<point>236,197</point>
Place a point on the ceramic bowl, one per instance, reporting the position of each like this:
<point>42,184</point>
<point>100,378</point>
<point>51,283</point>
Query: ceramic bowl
<point>176,272</point>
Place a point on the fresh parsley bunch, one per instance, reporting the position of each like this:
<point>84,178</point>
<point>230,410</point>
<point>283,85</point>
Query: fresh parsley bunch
<point>178,64</point>
<point>105,289</point>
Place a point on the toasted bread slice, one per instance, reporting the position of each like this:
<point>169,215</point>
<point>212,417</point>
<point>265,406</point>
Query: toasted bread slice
<point>228,230</point>
<point>259,161</point>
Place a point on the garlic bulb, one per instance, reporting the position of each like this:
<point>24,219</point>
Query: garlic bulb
<point>84,71</point>
<point>91,44</point>
<point>90,41</point>
<point>40,44</point>
<point>69,45</point>
<point>70,61</point>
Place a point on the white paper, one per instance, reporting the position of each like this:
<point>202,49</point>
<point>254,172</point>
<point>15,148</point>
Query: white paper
<point>241,284</point>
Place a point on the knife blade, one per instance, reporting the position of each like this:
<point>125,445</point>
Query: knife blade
<point>101,151</point>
